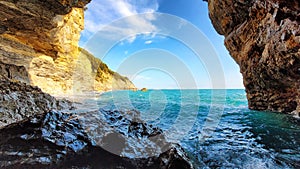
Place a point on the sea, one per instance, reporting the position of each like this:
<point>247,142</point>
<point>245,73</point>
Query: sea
<point>214,127</point>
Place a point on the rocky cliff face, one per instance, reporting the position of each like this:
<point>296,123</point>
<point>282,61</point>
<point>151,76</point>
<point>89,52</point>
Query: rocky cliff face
<point>42,38</point>
<point>50,27</point>
<point>92,74</point>
<point>263,37</point>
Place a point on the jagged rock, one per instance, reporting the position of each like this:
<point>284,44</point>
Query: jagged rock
<point>19,102</point>
<point>123,133</point>
<point>64,130</point>
<point>263,37</point>
<point>131,125</point>
<point>174,158</point>
<point>58,140</point>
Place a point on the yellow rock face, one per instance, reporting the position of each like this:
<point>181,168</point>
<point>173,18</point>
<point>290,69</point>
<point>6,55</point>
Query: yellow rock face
<point>91,74</point>
<point>45,43</point>
<point>54,75</point>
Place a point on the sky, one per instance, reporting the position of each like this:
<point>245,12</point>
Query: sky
<point>160,44</point>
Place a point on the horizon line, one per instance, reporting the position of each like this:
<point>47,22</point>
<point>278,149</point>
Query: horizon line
<point>192,88</point>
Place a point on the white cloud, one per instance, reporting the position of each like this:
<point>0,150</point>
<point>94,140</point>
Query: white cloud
<point>124,8</point>
<point>102,13</point>
<point>148,42</point>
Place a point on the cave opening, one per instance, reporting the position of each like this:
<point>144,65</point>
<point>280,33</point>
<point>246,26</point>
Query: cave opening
<point>148,36</point>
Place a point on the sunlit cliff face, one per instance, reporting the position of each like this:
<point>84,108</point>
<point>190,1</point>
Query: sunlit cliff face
<point>42,37</point>
<point>263,37</point>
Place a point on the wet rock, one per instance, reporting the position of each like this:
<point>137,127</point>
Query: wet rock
<point>131,125</point>
<point>263,37</point>
<point>175,158</point>
<point>123,133</point>
<point>64,130</point>
<point>21,102</point>
<point>296,113</point>
<point>22,146</point>
<point>58,140</point>
<point>125,130</point>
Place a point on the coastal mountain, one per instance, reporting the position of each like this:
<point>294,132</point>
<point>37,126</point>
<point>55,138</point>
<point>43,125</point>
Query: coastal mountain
<point>39,46</point>
<point>91,74</point>
<point>263,37</point>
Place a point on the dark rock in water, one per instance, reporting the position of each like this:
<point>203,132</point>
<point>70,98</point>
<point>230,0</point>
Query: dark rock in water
<point>144,89</point>
<point>131,125</point>
<point>64,130</point>
<point>125,134</point>
<point>125,130</point>
<point>59,140</point>
<point>19,102</point>
<point>174,158</point>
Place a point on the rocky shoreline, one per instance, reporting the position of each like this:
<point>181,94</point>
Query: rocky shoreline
<point>48,134</point>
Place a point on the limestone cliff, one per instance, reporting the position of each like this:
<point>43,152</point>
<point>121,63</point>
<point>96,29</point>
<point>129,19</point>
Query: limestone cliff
<point>263,37</point>
<point>92,74</point>
<point>42,38</point>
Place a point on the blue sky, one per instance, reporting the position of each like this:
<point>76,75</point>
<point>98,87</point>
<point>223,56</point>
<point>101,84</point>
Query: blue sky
<point>155,50</point>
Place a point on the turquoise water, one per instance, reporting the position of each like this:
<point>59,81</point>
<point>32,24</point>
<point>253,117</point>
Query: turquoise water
<point>215,127</point>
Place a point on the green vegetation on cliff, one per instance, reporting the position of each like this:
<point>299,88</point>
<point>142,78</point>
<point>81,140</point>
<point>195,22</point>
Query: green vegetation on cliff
<point>105,78</point>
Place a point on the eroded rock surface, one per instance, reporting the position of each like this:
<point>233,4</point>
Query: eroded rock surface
<point>39,24</point>
<point>20,102</point>
<point>263,37</point>
<point>42,37</point>
<point>59,140</point>
<point>13,72</point>
<point>125,134</point>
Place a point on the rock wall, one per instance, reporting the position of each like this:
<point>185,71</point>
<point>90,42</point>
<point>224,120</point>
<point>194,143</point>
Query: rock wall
<point>12,72</point>
<point>42,37</point>
<point>20,102</point>
<point>263,37</point>
<point>46,26</point>
<point>92,74</point>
